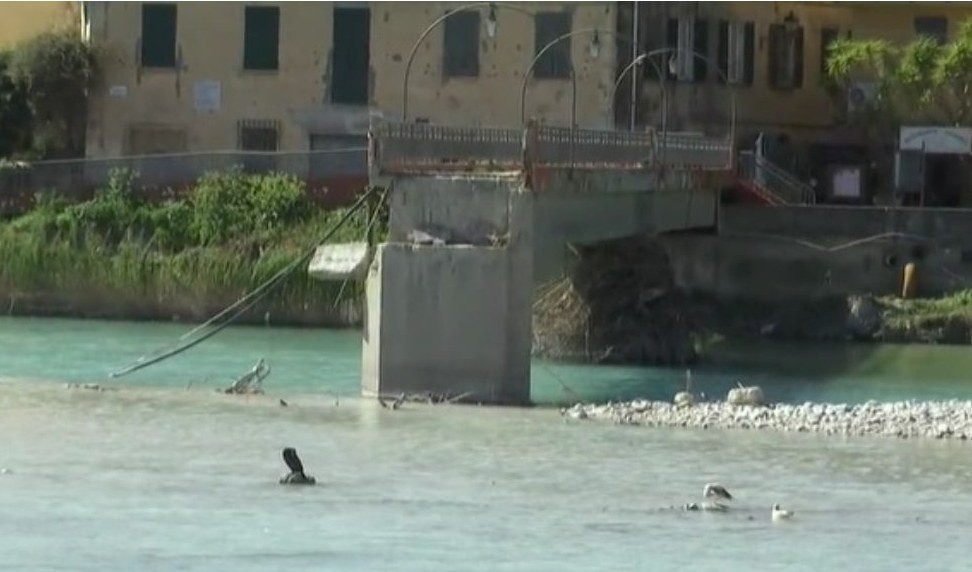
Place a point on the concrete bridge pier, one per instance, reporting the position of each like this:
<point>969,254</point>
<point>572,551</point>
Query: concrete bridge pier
<point>452,317</point>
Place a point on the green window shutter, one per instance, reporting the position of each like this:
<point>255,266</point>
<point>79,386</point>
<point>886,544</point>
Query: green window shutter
<point>158,35</point>
<point>461,49</point>
<point>261,38</point>
<point>749,58</point>
<point>555,63</point>
<point>700,59</point>
<point>722,51</point>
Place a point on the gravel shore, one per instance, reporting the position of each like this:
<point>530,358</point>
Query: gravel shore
<point>904,419</point>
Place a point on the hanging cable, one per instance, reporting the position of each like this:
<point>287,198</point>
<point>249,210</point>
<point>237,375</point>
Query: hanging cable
<point>376,212</point>
<point>242,305</point>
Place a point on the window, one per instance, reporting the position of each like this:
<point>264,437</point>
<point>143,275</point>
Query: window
<point>155,139</point>
<point>735,54</point>
<point>688,39</point>
<point>934,27</point>
<point>257,135</point>
<point>461,49</point>
<point>555,63</point>
<point>827,37</point>
<point>158,48</point>
<point>261,37</point>
<point>351,56</point>
<point>700,47</point>
<point>785,56</point>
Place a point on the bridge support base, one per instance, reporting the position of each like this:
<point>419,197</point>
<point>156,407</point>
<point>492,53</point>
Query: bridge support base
<point>449,320</point>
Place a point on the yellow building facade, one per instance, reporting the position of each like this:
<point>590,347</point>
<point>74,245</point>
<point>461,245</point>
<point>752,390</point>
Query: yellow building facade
<point>21,21</point>
<point>770,56</point>
<point>202,76</point>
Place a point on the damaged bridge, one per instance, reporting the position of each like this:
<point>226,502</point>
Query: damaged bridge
<point>479,216</point>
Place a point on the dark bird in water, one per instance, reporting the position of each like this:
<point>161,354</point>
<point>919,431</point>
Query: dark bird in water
<point>283,403</point>
<point>395,404</point>
<point>717,492</point>
<point>296,476</point>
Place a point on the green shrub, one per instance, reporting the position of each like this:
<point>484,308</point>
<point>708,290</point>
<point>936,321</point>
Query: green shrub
<point>233,206</point>
<point>230,234</point>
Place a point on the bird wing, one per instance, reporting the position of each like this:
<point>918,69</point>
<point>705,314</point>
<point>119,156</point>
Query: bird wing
<point>293,461</point>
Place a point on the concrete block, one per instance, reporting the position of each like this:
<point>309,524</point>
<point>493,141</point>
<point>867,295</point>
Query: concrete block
<point>340,261</point>
<point>448,320</point>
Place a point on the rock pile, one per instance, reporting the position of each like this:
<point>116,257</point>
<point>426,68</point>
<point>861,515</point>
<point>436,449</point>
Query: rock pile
<point>903,419</point>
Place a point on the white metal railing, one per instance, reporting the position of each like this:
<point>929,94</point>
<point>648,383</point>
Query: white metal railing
<point>397,147</point>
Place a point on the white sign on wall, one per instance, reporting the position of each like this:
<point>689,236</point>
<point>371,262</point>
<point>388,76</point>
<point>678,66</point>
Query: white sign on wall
<point>118,91</point>
<point>847,183</point>
<point>206,95</point>
<point>952,140</point>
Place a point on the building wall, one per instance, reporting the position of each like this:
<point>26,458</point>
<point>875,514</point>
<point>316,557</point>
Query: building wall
<point>807,110</point>
<point>20,21</point>
<point>209,41</point>
<point>209,44</point>
<point>804,252</point>
<point>494,97</point>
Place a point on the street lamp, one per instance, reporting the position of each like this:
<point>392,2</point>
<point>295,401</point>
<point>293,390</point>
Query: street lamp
<point>490,31</point>
<point>630,68</point>
<point>595,46</point>
<point>594,49</point>
<point>678,54</point>
<point>491,21</point>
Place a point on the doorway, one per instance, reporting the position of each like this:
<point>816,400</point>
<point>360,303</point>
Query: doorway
<point>351,57</point>
<point>943,180</point>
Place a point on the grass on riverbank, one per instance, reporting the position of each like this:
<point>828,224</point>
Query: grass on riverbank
<point>941,320</point>
<point>118,256</point>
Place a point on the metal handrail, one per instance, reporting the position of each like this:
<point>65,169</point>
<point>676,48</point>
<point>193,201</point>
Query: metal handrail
<point>774,180</point>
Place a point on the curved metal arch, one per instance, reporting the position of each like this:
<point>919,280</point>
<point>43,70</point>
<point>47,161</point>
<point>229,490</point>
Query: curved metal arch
<point>617,84</point>
<point>435,23</point>
<point>649,56</point>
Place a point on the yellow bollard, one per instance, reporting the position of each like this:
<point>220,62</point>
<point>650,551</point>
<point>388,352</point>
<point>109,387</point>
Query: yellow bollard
<point>908,283</point>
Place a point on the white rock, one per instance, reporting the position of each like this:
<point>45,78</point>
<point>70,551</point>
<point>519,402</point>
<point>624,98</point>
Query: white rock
<point>751,395</point>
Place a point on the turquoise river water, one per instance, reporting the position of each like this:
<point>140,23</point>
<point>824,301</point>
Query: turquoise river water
<point>166,474</point>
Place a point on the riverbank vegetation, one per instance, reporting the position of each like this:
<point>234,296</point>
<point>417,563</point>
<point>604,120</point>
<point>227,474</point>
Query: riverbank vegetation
<point>120,256</point>
<point>945,320</point>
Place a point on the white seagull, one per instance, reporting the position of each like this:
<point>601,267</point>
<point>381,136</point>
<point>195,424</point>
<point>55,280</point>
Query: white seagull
<point>781,514</point>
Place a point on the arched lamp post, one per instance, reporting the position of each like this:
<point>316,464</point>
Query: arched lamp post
<point>631,66</point>
<point>595,48</point>
<point>649,56</point>
<point>491,24</point>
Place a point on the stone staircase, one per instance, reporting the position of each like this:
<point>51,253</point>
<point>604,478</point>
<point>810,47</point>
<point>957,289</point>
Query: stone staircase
<point>762,181</point>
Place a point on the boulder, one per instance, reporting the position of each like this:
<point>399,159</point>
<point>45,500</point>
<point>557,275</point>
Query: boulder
<point>742,395</point>
<point>863,316</point>
<point>684,399</point>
